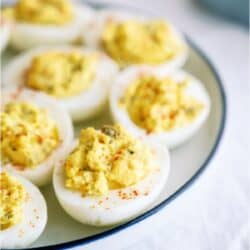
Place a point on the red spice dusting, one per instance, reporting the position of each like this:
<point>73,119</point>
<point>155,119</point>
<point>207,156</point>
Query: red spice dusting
<point>39,139</point>
<point>135,192</point>
<point>173,115</point>
<point>121,194</point>
<point>17,92</point>
<point>18,167</point>
<point>101,140</point>
<point>116,157</point>
<point>119,152</point>
<point>128,196</point>
<point>149,131</point>
<point>124,197</point>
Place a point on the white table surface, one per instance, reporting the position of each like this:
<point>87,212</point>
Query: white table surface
<point>213,213</point>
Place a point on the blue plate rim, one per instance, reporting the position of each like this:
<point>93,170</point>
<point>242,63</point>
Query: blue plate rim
<point>184,187</point>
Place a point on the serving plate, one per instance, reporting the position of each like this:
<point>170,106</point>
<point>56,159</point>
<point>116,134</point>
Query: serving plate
<point>188,161</point>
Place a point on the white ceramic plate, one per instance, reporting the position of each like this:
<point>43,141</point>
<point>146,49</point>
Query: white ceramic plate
<point>187,161</point>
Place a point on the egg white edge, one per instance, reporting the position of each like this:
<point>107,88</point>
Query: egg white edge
<point>27,230</point>
<point>41,174</point>
<point>5,34</point>
<point>92,34</point>
<point>26,35</point>
<point>99,211</point>
<point>82,106</point>
<point>173,138</point>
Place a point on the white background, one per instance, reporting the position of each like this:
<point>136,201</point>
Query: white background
<point>213,213</point>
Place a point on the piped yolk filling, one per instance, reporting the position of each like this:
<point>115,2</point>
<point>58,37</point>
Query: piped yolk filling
<point>12,197</point>
<point>160,104</point>
<point>61,74</point>
<point>106,159</point>
<point>43,12</point>
<point>28,135</point>
<point>134,42</point>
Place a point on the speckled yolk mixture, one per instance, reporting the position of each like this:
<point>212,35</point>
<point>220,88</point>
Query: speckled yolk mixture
<point>160,104</point>
<point>134,42</point>
<point>28,135</point>
<point>61,74</point>
<point>43,12</point>
<point>107,159</point>
<point>12,197</point>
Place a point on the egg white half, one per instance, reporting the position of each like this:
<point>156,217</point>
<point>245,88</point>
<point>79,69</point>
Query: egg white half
<point>27,35</point>
<point>41,175</point>
<point>81,106</point>
<point>5,30</point>
<point>34,219</point>
<point>112,208</point>
<point>170,138</point>
<point>93,32</point>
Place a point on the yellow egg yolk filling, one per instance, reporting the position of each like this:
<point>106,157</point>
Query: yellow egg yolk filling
<point>160,104</point>
<point>28,135</point>
<point>12,197</point>
<point>61,74</point>
<point>106,159</point>
<point>43,12</point>
<point>133,42</point>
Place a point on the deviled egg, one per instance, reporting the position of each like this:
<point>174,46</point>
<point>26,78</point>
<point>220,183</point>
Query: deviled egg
<point>23,211</point>
<point>132,39</point>
<point>5,29</point>
<point>36,133</point>
<point>39,22</point>
<point>165,107</point>
<point>78,78</point>
<point>110,176</point>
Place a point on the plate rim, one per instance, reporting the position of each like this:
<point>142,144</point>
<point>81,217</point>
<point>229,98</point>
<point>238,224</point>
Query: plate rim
<point>183,188</point>
<point>192,180</point>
